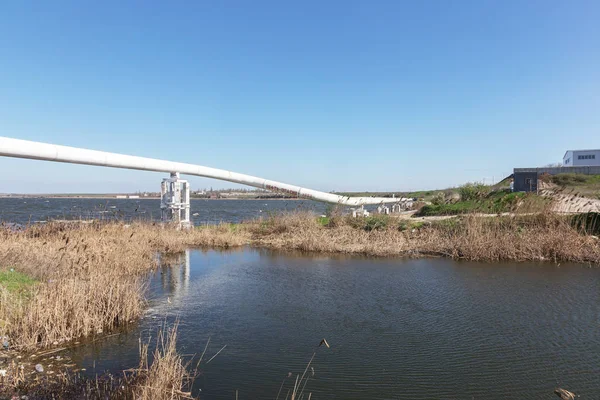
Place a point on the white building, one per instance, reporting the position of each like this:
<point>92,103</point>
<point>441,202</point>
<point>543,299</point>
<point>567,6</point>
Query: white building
<point>581,158</point>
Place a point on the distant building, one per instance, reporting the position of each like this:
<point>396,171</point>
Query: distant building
<point>581,158</point>
<point>526,179</point>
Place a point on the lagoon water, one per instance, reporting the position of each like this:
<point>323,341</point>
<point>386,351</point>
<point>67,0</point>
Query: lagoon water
<point>398,328</point>
<point>31,210</point>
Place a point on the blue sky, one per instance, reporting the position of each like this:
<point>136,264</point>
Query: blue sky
<point>332,95</point>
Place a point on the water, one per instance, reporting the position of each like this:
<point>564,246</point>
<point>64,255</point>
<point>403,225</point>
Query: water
<point>30,210</point>
<point>398,329</point>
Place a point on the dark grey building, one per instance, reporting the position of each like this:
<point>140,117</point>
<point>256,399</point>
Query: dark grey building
<point>526,179</point>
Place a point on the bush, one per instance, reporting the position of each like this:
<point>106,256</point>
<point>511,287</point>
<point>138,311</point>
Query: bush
<point>403,226</point>
<point>372,223</point>
<point>569,179</point>
<point>438,199</point>
<point>462,207</point>
<point>473,191</point>
<point>376,222</point>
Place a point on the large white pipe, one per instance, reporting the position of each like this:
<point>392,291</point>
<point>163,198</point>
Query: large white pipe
<point>49,152</point>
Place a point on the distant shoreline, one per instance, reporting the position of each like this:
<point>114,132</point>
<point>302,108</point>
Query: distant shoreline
<point>113,197</point>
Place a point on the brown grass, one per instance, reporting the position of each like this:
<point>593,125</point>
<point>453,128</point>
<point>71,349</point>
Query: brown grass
<point>165,378</point>
<point>518,238</point>
<point>91,276</point>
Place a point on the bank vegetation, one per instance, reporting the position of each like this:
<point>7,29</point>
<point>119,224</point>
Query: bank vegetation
<point>66,281</point>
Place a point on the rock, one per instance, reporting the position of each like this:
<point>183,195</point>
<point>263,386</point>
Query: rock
<point>99,331</point>
<point>39,368</point>
<point>2,372</point>
<point>564,394</point>
<point>55,343</point>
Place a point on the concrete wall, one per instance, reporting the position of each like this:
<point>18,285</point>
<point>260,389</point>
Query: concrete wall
<point>525,179</point>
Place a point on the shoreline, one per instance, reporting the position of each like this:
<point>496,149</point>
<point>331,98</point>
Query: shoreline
<point>99,197</point>
<point>70,265</point>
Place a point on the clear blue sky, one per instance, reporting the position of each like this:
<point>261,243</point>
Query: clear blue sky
<point>333,95</point>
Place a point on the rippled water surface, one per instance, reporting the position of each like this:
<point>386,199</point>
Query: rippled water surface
<point>398,329</point>
<point>31,210</point>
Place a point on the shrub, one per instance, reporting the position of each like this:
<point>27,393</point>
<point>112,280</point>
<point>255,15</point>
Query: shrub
<point>568,179</point>
<point>462,207</point>
<point>372,223</point>
<point>438,199</point>
<point>473,191</point>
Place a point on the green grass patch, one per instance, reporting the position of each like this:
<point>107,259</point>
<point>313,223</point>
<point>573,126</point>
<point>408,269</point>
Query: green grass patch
<point>406,225</point>
<point>371,223</point>
<point>585,185</point>
<point>16,282</point>
<point>233,227</point>
<point>324,221</point>
<point>575,179</point>
<point>491,203</point>
<point>461,207</point>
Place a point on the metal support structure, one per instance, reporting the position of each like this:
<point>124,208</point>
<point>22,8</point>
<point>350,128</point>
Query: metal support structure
<point>175,200</point>
<point>382,209</point>
<point>360,212</point>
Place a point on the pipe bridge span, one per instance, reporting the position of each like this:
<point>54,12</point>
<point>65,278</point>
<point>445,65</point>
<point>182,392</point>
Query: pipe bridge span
<point>17,148</point>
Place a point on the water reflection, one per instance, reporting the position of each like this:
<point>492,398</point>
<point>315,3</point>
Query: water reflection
<point>175,273</point>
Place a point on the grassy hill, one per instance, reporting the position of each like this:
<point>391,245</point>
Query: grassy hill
<point>585,185</point>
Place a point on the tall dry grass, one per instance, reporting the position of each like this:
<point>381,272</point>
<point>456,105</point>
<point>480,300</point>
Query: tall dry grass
<point>545,236</point>
<point>165,377</point>
<point>90,276</point>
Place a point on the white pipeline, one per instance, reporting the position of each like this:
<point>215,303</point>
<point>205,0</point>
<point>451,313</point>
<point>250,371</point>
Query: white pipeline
<point>49,152</point>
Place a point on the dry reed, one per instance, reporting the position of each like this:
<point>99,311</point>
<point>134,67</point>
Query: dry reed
<point>545,236</point>
<point>90,276</point>
<point>165,378</point>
